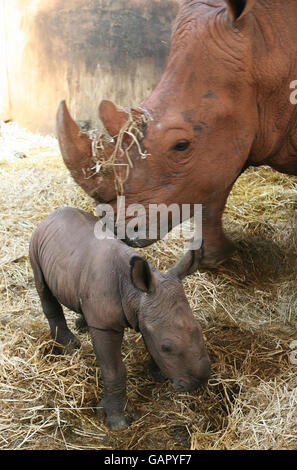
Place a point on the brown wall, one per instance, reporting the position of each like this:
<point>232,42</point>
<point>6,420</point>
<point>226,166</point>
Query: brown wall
<point>82,51</point>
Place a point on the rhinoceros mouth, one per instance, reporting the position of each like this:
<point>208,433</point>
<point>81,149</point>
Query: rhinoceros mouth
<point>118,231</point>
<point>193,384</point>
<point>138,243</point>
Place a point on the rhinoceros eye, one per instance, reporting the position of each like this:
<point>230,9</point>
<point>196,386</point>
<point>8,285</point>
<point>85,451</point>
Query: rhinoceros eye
<point>181,146</point>
<point>165,348</point>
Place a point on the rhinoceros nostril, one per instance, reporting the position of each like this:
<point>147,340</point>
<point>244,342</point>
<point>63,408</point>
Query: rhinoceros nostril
<point>179,386</point>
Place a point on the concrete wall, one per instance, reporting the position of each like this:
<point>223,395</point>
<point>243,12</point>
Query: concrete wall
<point>82,51</point>
<point>5,108</point>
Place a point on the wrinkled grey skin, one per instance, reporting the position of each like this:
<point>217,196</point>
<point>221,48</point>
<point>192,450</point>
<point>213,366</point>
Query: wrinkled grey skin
<point>113,288</point>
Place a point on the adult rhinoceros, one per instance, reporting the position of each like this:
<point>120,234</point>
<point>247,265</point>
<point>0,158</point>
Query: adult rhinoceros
<point>222,105</point>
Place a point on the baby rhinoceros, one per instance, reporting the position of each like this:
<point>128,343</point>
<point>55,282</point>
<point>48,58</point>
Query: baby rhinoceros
<point>114,288</point>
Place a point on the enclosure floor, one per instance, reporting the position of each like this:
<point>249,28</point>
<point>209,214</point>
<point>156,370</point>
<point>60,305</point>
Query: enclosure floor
<point>247,307</point>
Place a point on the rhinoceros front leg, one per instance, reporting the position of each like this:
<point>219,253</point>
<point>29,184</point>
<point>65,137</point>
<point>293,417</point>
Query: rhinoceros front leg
<point>217,247</point>
<point>107,347</point>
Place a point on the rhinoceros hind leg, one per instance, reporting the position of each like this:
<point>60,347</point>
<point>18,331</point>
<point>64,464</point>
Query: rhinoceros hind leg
<point>56,319</point>
<point>81,324</point>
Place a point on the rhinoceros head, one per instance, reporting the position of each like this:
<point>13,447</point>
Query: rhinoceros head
<point>190,140</point>
<point>172,335</point>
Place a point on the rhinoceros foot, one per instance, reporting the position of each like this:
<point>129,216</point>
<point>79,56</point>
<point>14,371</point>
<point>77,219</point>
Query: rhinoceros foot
<point>213,258</point>
<point>117,423</point>
<point>67,345</point>
<point>114,421</point>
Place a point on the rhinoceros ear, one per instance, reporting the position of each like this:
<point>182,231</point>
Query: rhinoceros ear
<point>187,265</point>
<point>142,276</point>
<point>112,118</point>
<point>238,8</point>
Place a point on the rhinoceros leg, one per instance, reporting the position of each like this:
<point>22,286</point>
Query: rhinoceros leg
<point>81,324</point>
<point>107,347</point>
<point>217,247</point>
<point>56,319</point>
<point>53,311</point>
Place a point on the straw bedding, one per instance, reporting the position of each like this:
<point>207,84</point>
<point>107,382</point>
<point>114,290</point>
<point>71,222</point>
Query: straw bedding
<point>247,307</point>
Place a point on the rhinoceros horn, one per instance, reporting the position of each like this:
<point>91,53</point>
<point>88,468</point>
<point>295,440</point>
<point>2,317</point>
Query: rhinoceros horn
<point>76,149</point>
